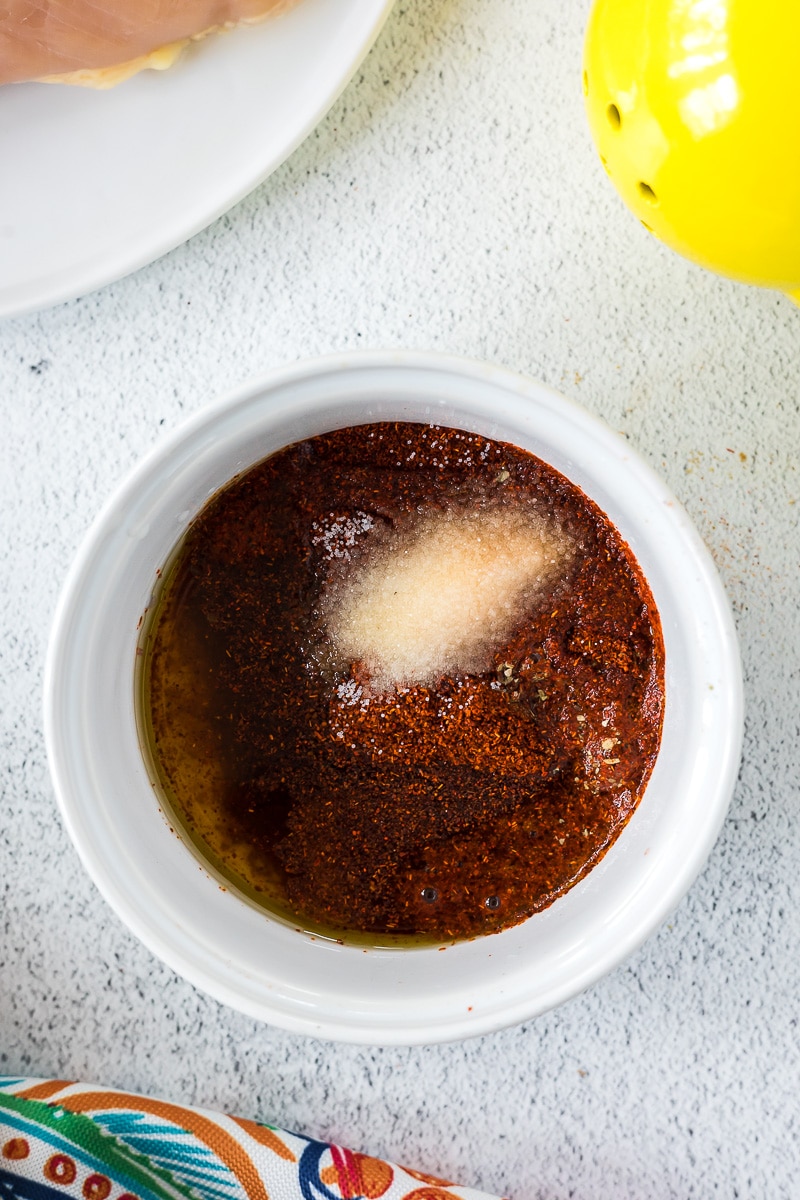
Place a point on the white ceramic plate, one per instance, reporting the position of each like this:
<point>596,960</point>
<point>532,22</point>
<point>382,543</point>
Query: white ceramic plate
<point>94,185</point>
<point>260,965</point>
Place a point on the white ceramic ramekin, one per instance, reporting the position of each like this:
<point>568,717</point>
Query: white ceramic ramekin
<point>222,943</point>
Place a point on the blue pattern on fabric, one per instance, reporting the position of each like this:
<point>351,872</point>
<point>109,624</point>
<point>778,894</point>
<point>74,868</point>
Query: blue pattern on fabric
<point>174,1149</point>
<point>15,1187</point>
<point>311,1185</point>
<point>34,1130</point>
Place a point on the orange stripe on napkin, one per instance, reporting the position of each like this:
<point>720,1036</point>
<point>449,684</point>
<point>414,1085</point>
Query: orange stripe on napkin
<point>265,1137</point>
<point>224,1146</point>
<point>43,1091</point>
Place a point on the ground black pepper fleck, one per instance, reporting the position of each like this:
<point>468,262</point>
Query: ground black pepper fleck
<point>443,811</point>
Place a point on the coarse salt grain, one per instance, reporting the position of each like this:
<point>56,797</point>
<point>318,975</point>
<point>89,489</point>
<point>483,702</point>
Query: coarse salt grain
<point>442,597</point>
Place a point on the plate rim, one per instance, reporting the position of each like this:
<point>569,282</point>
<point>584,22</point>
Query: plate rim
<point>36,296</point>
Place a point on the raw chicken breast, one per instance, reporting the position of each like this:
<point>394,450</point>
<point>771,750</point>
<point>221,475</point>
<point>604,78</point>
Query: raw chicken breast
<point>41,38</point>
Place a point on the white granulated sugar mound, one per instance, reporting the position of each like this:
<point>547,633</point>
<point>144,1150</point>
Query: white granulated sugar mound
<point>441,599</point>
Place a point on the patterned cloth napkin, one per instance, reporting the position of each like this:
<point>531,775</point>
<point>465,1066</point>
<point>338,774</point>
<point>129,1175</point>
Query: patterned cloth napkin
<point>60,1139</point>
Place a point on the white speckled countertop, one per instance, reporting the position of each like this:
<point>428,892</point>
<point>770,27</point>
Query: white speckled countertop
<point>451,200</point>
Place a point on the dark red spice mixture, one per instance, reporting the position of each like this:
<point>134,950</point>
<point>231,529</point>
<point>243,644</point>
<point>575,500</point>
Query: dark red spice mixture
<point>443,811</point>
